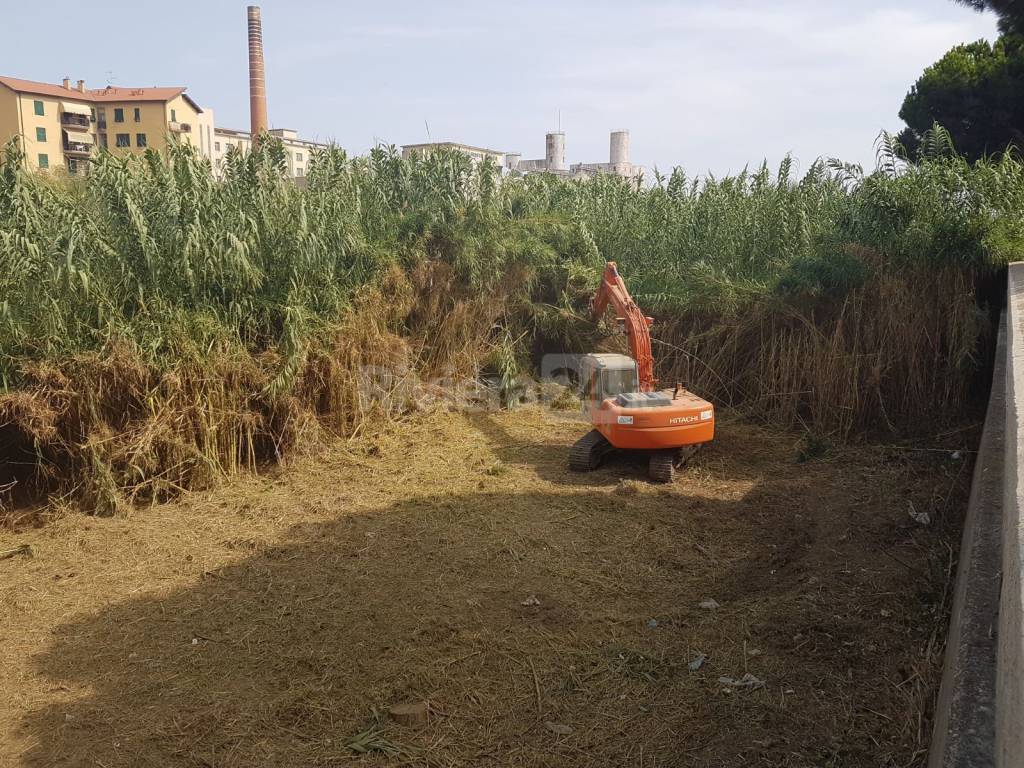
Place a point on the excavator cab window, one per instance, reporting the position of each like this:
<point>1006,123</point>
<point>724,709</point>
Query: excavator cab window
<point>615,381</point>
<point>600,383</point>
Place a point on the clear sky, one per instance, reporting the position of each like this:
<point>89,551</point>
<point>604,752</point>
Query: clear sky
<point>706,85</point>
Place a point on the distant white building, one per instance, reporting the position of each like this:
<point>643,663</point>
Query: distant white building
<point>618,160</point>
<point>553,161</point>
<point>476,154</point>
<point>298,150</point>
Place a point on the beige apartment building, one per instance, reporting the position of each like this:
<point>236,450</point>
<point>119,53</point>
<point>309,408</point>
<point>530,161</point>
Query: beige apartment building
<point>61,126</point>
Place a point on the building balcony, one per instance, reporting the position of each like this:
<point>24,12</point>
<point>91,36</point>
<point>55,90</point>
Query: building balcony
<point>180,127</point>
<point>72,120</point>
<point>77,144</point>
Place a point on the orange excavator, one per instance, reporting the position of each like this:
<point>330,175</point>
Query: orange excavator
<point>626,409</point>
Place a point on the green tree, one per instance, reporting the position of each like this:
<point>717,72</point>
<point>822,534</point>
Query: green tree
<point>1010,12</point>
<point>977,92</point>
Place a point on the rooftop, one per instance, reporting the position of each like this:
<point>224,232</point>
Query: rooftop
<point>242,134</point>
<point>98,95</point>
<point>454,145</point>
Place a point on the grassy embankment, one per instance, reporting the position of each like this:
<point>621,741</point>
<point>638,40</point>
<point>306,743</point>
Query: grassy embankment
<point>160,329</point>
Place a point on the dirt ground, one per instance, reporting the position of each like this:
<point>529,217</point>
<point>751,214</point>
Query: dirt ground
<point>549,619</point>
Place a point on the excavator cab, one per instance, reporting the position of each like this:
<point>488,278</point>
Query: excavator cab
<point>605,375</point>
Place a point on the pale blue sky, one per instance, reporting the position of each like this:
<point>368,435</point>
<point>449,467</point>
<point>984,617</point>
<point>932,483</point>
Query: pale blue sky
<point>706,85</point>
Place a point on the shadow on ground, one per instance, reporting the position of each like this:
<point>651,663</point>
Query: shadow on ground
<point>284,657</point>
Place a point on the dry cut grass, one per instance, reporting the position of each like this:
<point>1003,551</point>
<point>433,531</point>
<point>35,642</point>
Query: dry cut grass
<point>549,619</point>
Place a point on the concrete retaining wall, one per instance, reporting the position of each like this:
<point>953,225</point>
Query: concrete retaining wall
<point>1010,660</point>
<point>979,718</point>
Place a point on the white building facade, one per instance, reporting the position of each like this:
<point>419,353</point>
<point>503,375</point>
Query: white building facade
<point>298,150</point>
<point>476,154</point>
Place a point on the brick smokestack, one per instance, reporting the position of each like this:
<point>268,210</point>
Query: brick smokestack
<point>257,81</point>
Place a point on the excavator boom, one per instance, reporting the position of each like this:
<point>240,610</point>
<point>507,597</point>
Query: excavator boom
<point>612,290</point>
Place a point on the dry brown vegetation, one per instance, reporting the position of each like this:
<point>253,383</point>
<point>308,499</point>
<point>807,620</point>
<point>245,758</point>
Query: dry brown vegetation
<point>896,352</point>
<point>109,431</point>
<point>272,621</point>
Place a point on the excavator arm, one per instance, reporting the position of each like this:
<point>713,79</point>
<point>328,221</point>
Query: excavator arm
<point>637,325</point>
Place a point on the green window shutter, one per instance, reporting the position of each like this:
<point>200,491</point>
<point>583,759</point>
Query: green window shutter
<point>174,116</point>
<point>118,115</point>
<point>38,105</point>
<point>41,134</point>
<point>140,139</point>
<point>138,114</point>
<point>44,161</point>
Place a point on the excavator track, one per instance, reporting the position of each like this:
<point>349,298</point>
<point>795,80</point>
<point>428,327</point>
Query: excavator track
<point>664,464</point>
<point>588,452</point>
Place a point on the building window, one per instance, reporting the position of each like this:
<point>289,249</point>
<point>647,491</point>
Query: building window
<point>44,161</point>
<point>298,172</point>
<point>140,139</point>
<point>118,115</point>
<point>174,116</point>
<point>38,106</point>
<point>216,145</point>
<point>103,140</point>
<point>41,134</point>
<point>123,140</point>
<point>138,114</point>
<point>298,156</point>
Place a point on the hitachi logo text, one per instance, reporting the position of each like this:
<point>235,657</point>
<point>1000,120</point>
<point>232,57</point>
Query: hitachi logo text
<point>683,420</point>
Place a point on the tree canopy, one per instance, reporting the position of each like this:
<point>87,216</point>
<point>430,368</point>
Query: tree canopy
<point>1010,12</point>
<point>976,91</point>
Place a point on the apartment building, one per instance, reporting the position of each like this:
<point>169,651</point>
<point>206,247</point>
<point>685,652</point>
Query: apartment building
<point>61,126</point>
<point>298,150</point>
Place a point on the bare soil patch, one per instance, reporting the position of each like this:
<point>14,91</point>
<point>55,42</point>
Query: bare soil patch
<point>546,618</point>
